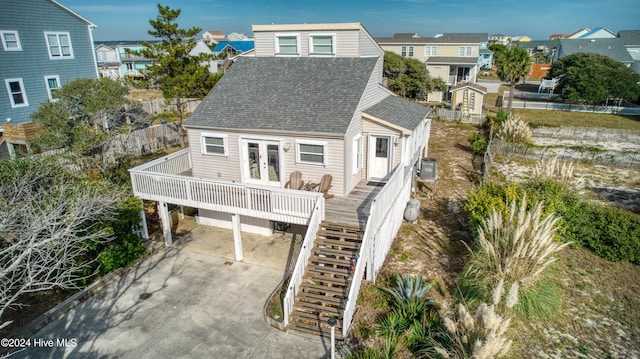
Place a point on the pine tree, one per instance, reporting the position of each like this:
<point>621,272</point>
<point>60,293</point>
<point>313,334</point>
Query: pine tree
<point>175,72</point>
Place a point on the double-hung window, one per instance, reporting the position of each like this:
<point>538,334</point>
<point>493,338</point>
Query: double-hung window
<point>214,144</point>
<point>410,51</point>
<point>430,51</point>
<point>322,44</point>
<point>287,44</point>
<point>52,83</point>
<point>464,51</point>
<point>17,95</point>
<point>59,45</point>
<point>312,152</point>
<point>10,41</point>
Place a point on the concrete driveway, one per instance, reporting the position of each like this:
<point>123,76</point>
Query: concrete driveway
<point>189,301</point>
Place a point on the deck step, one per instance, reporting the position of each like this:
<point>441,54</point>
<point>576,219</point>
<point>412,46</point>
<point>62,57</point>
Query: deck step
<point>317,308</point>
<point>332,291</point>
<point>315,277</point>
<point>315,330</point>
<point>334,252</point>
<point>323,233</point>
<point>352,244</point>
<point>330,270</point>
<point>322,298</point>
<point>325,259</point>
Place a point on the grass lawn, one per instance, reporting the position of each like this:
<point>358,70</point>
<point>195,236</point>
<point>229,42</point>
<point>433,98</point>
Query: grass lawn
<point>537,118</point>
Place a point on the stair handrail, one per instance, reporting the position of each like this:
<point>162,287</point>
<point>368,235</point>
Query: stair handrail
<point>317,216</point>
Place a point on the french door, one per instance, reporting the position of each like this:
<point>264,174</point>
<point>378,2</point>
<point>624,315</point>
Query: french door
<point>261,162</point>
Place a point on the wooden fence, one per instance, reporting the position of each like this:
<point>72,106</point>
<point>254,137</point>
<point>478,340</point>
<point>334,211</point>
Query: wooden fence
<point>143,141</point>
<point>160,105</point>
<point>453,115</point>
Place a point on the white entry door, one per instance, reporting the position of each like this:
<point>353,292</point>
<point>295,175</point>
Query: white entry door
<point>261,162</point>
<point>379,156</point>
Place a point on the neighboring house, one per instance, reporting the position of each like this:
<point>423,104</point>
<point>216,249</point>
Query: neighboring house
<point>613,48</point>
<point>44,45</point>
<point>499,39</point>
<point>227,51</point>
<point>515,40</point>
<point>236,36</point>
<point>133,65</point>
<point>309,102</point>
<point>468,98</point>
<point>453,59</point>
<point>212,37</point>
<point>233,48</point>
<point>631,41</point>
<point>578,33</point>
<point>485,57</point>
<point>202,48</point>
<point>108,61</point>
<point>598,33</point>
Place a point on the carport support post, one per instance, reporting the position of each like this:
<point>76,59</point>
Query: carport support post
<point>163,211</point>
<point>237,237</point>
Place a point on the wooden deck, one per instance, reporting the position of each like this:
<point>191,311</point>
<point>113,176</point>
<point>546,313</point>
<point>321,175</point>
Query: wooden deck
<point>354,209</point>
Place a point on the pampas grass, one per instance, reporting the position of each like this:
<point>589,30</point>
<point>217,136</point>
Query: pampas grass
<point>515,248</point>
<point>553,169</point>
<point>514,130</point>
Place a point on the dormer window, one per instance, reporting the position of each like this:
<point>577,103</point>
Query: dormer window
<point>322,44</point>
<point>287,44</point>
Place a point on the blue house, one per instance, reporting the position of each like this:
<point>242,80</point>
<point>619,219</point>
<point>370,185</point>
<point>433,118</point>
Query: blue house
<point>44,45</point>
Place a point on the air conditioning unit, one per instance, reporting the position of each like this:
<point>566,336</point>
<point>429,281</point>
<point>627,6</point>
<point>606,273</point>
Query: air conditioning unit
<point>428,169</point>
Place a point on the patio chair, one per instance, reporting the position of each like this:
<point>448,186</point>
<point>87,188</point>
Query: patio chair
<point>295,181</point>
<point>323,186</point>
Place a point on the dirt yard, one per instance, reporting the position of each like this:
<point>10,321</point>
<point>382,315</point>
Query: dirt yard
<point>600,317</point>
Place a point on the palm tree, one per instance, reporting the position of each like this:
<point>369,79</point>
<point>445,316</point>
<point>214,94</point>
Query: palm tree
<point>512,66</point>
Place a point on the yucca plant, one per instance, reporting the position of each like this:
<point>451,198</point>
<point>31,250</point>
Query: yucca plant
<point>408,287</point>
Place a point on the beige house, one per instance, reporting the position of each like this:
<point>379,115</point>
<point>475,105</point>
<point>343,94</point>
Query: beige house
<point>212,37</point>
<point>468,98</point>
<point>308,102</point>
<point>453,59</point>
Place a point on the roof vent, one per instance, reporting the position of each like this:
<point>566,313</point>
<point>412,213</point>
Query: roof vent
<point>593,40</point>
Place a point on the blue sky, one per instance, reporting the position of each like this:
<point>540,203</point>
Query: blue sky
<point>129,20</point>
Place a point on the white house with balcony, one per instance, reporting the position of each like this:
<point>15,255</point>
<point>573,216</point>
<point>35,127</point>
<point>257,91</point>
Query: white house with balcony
<point>309,102</point>
<point>454,57</point>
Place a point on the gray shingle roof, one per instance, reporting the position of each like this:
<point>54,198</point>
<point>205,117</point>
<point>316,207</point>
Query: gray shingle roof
<point>299,94</point>
<point>614,48</point>
<point>399,112</point>
<point>629,37</point>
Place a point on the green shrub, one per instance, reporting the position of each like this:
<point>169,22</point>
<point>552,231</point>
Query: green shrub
<point>610,232</point>
<point>126,246</point>
<point>478,144</point>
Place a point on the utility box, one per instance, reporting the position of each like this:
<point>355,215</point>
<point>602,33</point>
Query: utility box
<point>428,167</point>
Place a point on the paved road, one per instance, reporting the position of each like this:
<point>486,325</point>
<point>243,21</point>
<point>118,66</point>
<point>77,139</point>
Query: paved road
<point>180,303</point>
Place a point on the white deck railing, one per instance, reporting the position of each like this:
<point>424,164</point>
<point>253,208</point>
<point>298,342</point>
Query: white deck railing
<point>295,280</point>
<point>160,180</point>
<point>383,223</point>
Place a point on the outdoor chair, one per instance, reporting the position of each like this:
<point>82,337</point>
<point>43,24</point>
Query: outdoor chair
<point>295,181</point>
<point>323,186</point>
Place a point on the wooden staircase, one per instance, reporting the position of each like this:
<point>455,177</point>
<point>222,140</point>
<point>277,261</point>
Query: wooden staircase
<point>325,285</point>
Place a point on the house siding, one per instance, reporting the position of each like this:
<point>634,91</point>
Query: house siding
<point>31,19</point>
<point>229,168</point>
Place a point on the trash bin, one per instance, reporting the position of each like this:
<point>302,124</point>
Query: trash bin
<point>428,167</point>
